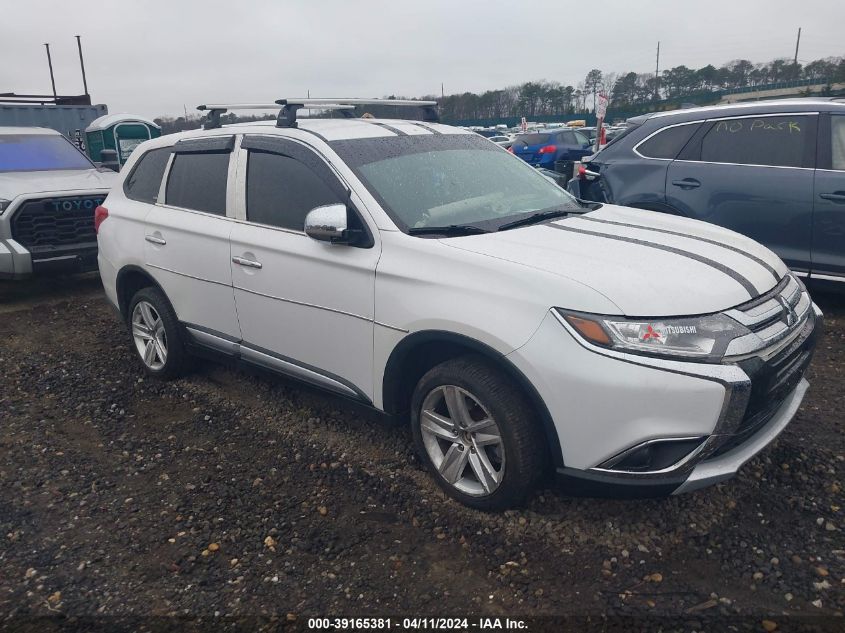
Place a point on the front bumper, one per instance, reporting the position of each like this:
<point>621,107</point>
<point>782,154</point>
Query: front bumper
<point>16,262</point>
<point>51,232</point>
<point>605,404</point>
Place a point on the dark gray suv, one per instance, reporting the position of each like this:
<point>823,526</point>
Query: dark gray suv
<point>772,170</point>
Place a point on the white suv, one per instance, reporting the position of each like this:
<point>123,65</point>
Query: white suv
<point>424,271</point>
<point>48,193</point>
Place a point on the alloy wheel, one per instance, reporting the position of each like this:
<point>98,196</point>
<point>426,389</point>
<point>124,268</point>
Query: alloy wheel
<point>462,440</point>
<point>149,335</point>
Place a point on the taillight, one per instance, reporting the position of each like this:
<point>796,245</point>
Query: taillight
<point>582,171</point>
<point>100,214</point>
<point>548,149</point>
<point>510,149</point>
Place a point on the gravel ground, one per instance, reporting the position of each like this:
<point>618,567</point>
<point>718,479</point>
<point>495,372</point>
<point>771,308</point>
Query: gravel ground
<point>235,494</point>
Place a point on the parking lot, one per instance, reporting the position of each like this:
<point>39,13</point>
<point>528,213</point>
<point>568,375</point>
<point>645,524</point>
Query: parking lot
<point>237,494</point>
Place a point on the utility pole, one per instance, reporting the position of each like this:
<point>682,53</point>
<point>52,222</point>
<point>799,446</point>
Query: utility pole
<point>442,94</point>
<point>82,64</point>
<point>50,63</point>
<point>657,75</point>
<point>797,42</point>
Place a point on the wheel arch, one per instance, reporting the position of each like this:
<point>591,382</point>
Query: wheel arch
<point>420,351</point>
<point>130,279</point>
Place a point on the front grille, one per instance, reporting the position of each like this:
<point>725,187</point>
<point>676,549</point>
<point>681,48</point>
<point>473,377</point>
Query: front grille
<point>772,318</point>
<point>47,224</point>
<point>773,379</point>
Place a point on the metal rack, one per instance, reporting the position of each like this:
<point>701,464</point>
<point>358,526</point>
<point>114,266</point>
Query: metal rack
<point>290,107</point>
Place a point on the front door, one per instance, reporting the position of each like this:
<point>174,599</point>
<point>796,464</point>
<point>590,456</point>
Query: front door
<point>187,238</point>
<point>753,175</point>
<point>829,215</point>
<point>305,307</point>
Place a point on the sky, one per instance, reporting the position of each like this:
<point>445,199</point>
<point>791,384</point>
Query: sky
<point>160,57</point>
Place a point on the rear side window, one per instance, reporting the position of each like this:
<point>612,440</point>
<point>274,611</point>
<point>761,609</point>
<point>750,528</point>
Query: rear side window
<point>145,180</point>
<point>779,141</point>
<point>668,142</point>
<point>280,191</point>
<point>198,181</point>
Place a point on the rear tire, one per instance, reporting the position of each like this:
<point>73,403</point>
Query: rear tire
<point>477,434</point>
<point>157,336</point>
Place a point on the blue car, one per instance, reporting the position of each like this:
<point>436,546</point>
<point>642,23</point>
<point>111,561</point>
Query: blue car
<point>543,149</point>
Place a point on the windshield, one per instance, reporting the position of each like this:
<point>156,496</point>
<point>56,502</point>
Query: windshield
<point>39,152</point>
<point>449,179</point>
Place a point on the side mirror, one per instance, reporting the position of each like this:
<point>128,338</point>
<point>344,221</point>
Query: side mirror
<point>328,223</point>
<point>109,160</point>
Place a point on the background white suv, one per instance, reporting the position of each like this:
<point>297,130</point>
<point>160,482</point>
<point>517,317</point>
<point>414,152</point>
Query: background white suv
<point>48,193</point>
<point>423,270</point>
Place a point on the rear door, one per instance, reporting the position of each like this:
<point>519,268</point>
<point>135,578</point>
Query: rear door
<point>754,175</point>
<point>187,236</point>
<point>305,307</point>
<point>829,201</point>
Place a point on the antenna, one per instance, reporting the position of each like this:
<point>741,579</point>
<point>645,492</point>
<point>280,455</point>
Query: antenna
<point>50,63</point>
<point>81,64</point>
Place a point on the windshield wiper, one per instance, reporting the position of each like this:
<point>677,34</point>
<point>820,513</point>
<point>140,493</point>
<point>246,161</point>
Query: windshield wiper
<point>534,218</point>
<point>452,229</point>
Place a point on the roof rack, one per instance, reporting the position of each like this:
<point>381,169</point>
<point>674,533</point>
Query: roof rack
<point>289,108</point>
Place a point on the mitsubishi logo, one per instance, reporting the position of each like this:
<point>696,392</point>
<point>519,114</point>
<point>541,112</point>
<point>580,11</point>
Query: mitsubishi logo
<point>789,317</point>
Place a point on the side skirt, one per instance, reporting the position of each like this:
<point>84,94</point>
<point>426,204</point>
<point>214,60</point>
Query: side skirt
<point>239,351</point>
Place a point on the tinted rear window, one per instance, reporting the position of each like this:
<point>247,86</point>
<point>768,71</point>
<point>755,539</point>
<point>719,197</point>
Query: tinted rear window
<point>668,142</point>
<point>534,139</point>
<point>198,181</point>
<point>144,181</point>
<point>39,152</point>
<point>778,141</point>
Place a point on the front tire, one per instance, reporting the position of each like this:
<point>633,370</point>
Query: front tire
<point>157,336</point>
<point>476,433</point>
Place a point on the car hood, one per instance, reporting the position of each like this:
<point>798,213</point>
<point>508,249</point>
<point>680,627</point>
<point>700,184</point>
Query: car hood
<point>13,184</point>
<point>646,263</point>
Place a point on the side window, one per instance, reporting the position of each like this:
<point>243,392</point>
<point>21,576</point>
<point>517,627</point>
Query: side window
<point>837,142</point>
<point>567,138</point>
<point>777,141</point>
<point>669,142</point>
<point>280,191</point>
<point>580,139</point>
<point>145,180</point>
<point>198,181</point>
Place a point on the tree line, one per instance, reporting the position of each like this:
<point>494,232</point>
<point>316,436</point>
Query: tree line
<point>631,90</point>
<point>625,91</point>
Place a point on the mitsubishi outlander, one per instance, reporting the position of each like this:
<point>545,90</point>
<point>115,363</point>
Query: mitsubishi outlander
<point>426,272</point>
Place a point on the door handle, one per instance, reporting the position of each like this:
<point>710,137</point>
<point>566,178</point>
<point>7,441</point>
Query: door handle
<point>249,263</point>
<point>687,183</point>
<point>155,240</point>
<point>839,196</point>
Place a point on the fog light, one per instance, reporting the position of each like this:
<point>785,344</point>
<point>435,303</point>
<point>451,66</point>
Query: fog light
<point>653,455</point>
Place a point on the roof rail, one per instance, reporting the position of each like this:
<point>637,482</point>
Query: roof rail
<point>289,108</point>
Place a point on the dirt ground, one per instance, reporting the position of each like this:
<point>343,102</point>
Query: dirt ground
<point>230,499</point>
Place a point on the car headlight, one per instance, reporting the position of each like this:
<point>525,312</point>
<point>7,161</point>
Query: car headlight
<point>703,338</point>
